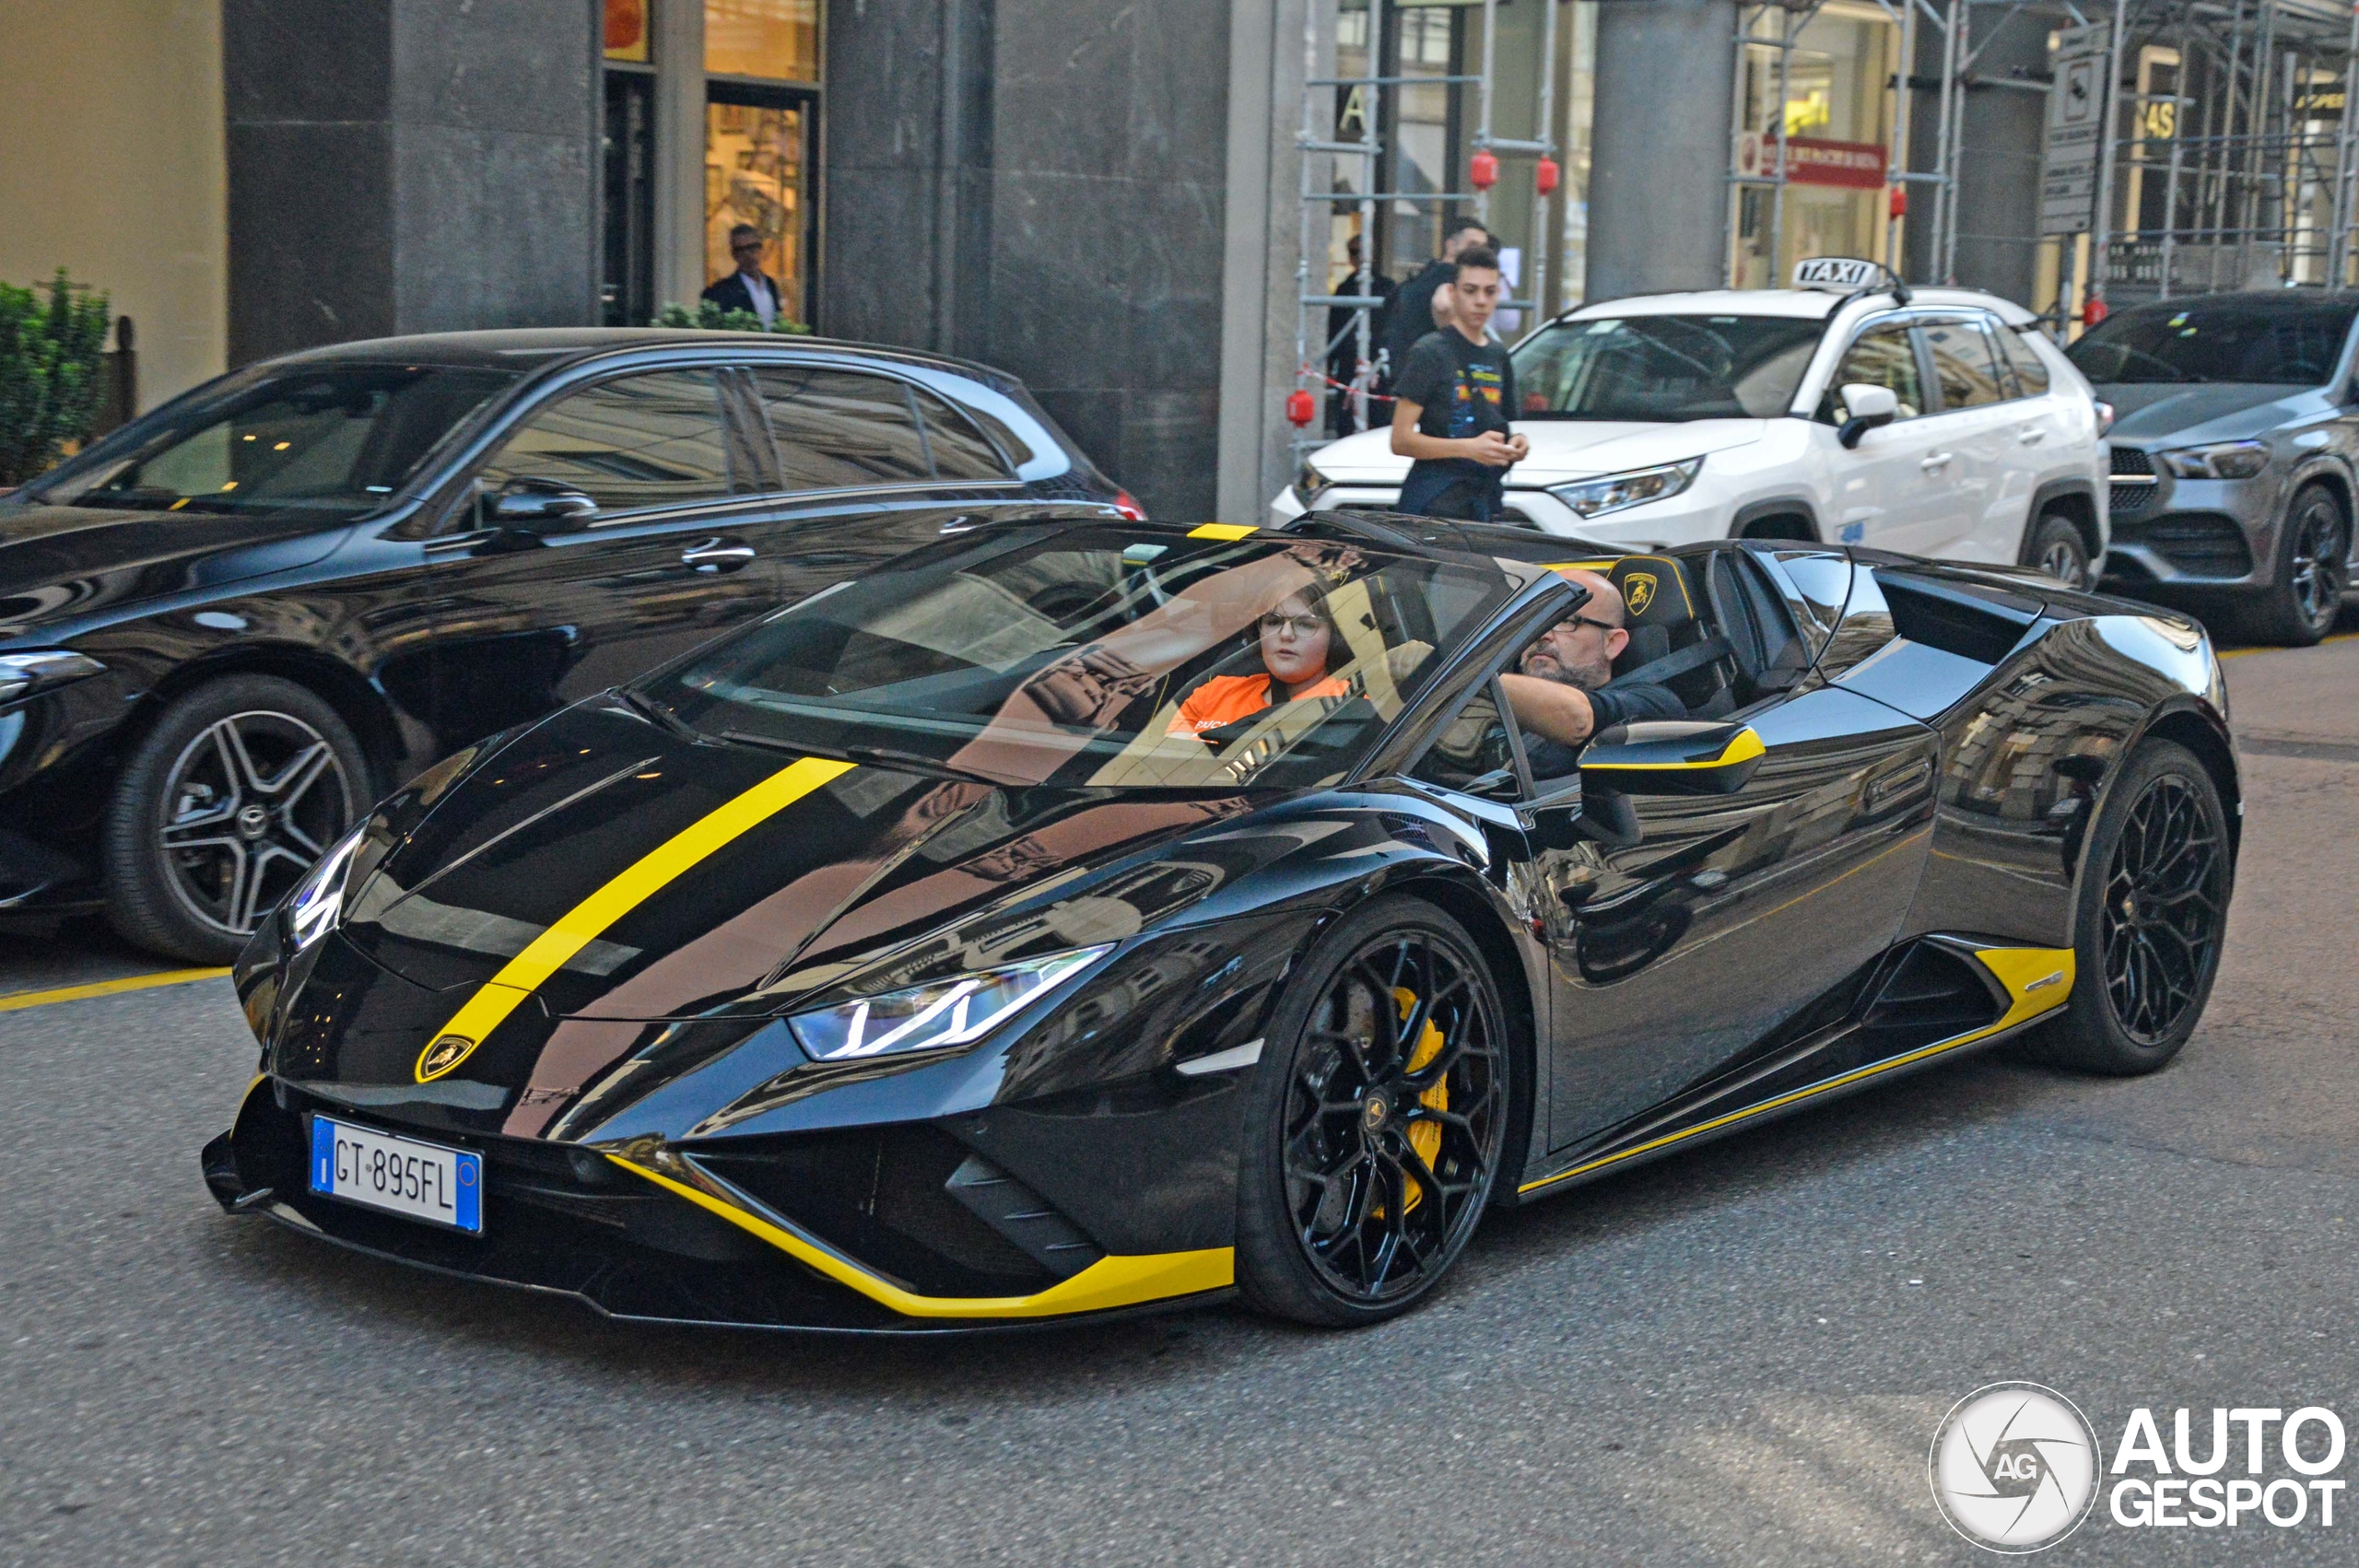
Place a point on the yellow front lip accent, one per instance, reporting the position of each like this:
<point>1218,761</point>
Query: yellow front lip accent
<point>2038,978</point>
<point>1109,1282</point>
<point>1744,746</point>
<point>574,929</point>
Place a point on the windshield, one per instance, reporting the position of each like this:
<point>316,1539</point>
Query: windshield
<point>2266,341</point>
<point>336,440</point>
<point>1665,367</point>
<point>1099,657</point>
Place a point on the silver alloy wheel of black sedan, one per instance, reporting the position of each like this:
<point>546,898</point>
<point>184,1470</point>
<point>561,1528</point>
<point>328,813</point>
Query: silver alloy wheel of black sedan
<point>228,798</point>
<point>255,798</point>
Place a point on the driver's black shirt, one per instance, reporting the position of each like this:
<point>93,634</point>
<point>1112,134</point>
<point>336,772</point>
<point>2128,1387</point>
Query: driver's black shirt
<point>1616,702</point>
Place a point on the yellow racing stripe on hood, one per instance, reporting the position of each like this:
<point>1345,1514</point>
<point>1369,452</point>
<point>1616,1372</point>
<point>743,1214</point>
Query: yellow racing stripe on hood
<point>580,925</point>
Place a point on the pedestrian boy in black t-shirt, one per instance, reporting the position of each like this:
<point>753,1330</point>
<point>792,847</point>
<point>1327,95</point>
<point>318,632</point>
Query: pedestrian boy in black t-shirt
<point>1454,399</point>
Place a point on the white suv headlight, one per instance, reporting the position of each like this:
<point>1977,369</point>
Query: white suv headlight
<point>1614,492</point>
<point>1309,485</point>
<point>935,1017</point>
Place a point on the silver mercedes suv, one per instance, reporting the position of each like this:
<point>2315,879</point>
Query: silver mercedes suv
<point>2235,445</point>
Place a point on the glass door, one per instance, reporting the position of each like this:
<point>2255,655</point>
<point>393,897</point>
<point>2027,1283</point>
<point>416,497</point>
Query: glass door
<point>757,170</point>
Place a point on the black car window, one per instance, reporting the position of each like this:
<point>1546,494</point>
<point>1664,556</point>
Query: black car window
<point>2031,372</point>
<point>334,440</point>
<point>2267,340</point>
<point>1883,356</point>
<point>960,452</point>
<point>637,441</point>
<point>1866,627</point>
<point>1962,364</point>
<point>837,429</point>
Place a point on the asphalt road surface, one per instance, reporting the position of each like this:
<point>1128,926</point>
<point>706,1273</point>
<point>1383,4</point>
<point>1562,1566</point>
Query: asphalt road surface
<point>1736,1356</point>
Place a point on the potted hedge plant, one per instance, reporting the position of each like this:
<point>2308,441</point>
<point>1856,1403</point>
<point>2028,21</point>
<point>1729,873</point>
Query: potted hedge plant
<point>53,373</point>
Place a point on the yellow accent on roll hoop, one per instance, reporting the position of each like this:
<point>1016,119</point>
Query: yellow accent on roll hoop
<point>1107,1283</point>
<point>1223,530</point>
<point>1744,746</point>
<point>583,924</point>
<point>2038,979</point>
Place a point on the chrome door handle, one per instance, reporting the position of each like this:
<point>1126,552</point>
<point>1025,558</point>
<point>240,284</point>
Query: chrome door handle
<point>959,524</point>
<point>1936,460</point>
<point>2031,435</point>
<point>717,555</point>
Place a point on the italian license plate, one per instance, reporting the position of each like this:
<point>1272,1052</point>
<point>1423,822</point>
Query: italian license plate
<point>400,1175</point>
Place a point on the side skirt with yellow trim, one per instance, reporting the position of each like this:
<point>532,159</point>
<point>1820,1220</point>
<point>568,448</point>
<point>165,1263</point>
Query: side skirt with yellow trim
<point>1109,1284</point>
<point>2035,981</point>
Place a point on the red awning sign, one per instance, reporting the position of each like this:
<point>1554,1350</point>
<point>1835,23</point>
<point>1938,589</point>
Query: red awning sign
<point>1812,162</point>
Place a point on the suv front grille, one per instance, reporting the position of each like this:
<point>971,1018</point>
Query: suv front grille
<point>2205,544</point>
<point>2133,480</point>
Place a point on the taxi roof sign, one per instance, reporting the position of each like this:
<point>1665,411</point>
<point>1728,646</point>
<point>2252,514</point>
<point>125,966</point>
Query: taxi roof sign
<point>1839,275</point>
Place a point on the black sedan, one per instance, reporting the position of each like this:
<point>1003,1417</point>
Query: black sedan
<point>229,626</point>
<point>1070,918</point>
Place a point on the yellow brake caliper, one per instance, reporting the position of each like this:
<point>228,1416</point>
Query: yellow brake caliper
<point>1425,1137</point>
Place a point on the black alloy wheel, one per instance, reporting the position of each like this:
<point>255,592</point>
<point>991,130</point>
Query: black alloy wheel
<point>2312,573</point>
<point>2165,898</point>
<point>1384,1115</point>
<point>221,809</point>
<point>2150,917</point>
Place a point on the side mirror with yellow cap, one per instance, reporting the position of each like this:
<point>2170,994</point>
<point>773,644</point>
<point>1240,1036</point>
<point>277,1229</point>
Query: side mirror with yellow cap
<point>1670,756</point>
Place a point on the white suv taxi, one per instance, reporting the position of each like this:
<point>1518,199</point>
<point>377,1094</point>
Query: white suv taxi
<point>1848,410</point>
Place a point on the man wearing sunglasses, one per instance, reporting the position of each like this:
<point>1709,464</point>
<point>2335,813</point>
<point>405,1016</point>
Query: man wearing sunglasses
<point>1565,691</point>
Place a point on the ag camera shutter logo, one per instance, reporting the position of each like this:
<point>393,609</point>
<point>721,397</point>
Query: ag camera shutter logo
<point>2015,1468</point>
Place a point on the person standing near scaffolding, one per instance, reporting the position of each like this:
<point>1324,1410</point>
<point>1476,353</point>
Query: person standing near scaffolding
<point>1343,338</point>
<point>1452,403</point>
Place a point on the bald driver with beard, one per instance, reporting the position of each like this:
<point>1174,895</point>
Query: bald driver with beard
<point>1567,692</point>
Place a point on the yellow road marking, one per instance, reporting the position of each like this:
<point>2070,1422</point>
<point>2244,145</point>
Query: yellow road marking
<point>583,924</point>
<point>22,1000</point>
<point>2324,641</point>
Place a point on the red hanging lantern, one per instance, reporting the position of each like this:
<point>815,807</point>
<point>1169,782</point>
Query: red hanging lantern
<point>1484,170</point>
<point>2095,310</point>
<point>1301,408</point>
<point>1544,175</point>
<point>1900,201</point>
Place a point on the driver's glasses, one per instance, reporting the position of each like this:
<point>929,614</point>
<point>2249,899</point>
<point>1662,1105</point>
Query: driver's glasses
<point>1274,625</point>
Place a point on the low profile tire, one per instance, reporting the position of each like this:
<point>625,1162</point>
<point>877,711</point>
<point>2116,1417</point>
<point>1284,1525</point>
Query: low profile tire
<point>1377,1119</point>
<point>2057,549</point>
<point>2151,914</point>
<point>2306,592</point>
<point>220,809</point>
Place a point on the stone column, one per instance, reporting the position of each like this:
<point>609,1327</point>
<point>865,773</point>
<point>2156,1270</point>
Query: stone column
<point>1659,192</point>
<point>405,166</point>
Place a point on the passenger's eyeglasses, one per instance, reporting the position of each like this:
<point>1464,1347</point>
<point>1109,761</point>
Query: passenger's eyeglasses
<point>1304,625</point>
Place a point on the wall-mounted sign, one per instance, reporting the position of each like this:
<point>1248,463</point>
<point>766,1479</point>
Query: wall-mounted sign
<point>1811,161</point>
<point>2068,168</point>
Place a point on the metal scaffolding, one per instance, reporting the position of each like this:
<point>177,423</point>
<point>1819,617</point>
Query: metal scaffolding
<point>2222,155</point>
<point>1371,97</point>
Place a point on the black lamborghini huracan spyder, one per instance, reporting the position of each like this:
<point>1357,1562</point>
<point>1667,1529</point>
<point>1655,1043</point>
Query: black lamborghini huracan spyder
<point>1027,930</point>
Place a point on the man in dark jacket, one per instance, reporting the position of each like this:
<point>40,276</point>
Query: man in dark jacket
<point>748,289</point>
<point>1412,314</point>
<point>1565,692</point>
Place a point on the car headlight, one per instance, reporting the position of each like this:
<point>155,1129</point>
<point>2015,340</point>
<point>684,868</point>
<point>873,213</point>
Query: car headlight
<point>934,1017</point>
<point>1310,484</point>
<point>1614,492</point>
<point>22,674</point>
<point>2223,460</point>
<point>313,908</point>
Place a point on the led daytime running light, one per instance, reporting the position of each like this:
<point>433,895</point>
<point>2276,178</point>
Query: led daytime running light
<point>1618,492</point>
<point>936,1017</point>
<point>316,904</point>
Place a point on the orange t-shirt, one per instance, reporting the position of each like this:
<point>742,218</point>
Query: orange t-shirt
<point>1224,699</point>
